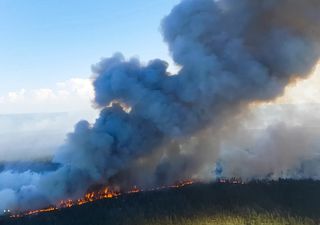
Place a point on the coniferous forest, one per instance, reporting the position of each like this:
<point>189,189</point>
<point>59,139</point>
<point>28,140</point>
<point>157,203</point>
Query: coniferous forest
<point>257,202</point>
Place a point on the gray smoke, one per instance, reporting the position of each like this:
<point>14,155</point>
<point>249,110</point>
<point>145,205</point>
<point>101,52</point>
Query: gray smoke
<point>283,144</point>
<point>231,53</point>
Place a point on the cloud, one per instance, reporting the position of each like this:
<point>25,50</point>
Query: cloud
<point>31,117</point>
<point>72,95</point>
<point>39,135</point>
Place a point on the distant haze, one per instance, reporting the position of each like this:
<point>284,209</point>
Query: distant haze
<point>35,136</point>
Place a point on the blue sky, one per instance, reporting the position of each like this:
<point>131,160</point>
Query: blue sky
<point>49,41</point>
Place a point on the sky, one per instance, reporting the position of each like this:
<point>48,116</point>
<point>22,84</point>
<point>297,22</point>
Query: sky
<point>47,47</point>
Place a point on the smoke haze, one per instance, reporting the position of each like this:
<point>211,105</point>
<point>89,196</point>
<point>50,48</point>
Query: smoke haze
<point>156,128</point>
<point>39,134</point>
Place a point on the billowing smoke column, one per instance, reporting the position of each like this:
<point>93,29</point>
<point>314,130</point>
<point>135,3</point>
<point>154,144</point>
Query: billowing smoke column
<point>154,126</point>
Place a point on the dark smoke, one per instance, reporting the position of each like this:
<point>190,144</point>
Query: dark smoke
<point>231,53</point>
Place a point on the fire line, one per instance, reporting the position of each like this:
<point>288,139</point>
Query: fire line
<point>105,193</point>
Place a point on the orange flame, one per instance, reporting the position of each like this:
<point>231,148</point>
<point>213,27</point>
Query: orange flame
<point>104,193</point>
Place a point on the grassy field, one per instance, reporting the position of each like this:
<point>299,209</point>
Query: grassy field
<point>281,202</point>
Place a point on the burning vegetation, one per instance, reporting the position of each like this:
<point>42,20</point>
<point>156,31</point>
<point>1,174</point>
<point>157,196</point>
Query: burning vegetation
<point>256,202</point>
<point>102,193</point>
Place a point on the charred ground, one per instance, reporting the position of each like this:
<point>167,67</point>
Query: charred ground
<point>276,202</point>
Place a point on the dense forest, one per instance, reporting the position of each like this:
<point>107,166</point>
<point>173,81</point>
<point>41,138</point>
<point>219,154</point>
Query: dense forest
<point>257,202</point>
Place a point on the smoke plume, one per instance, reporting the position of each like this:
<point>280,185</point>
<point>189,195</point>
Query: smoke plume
<point>156,127</point>
<point>283,144</point>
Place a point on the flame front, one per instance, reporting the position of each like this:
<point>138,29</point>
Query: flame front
<point>104,193</point>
